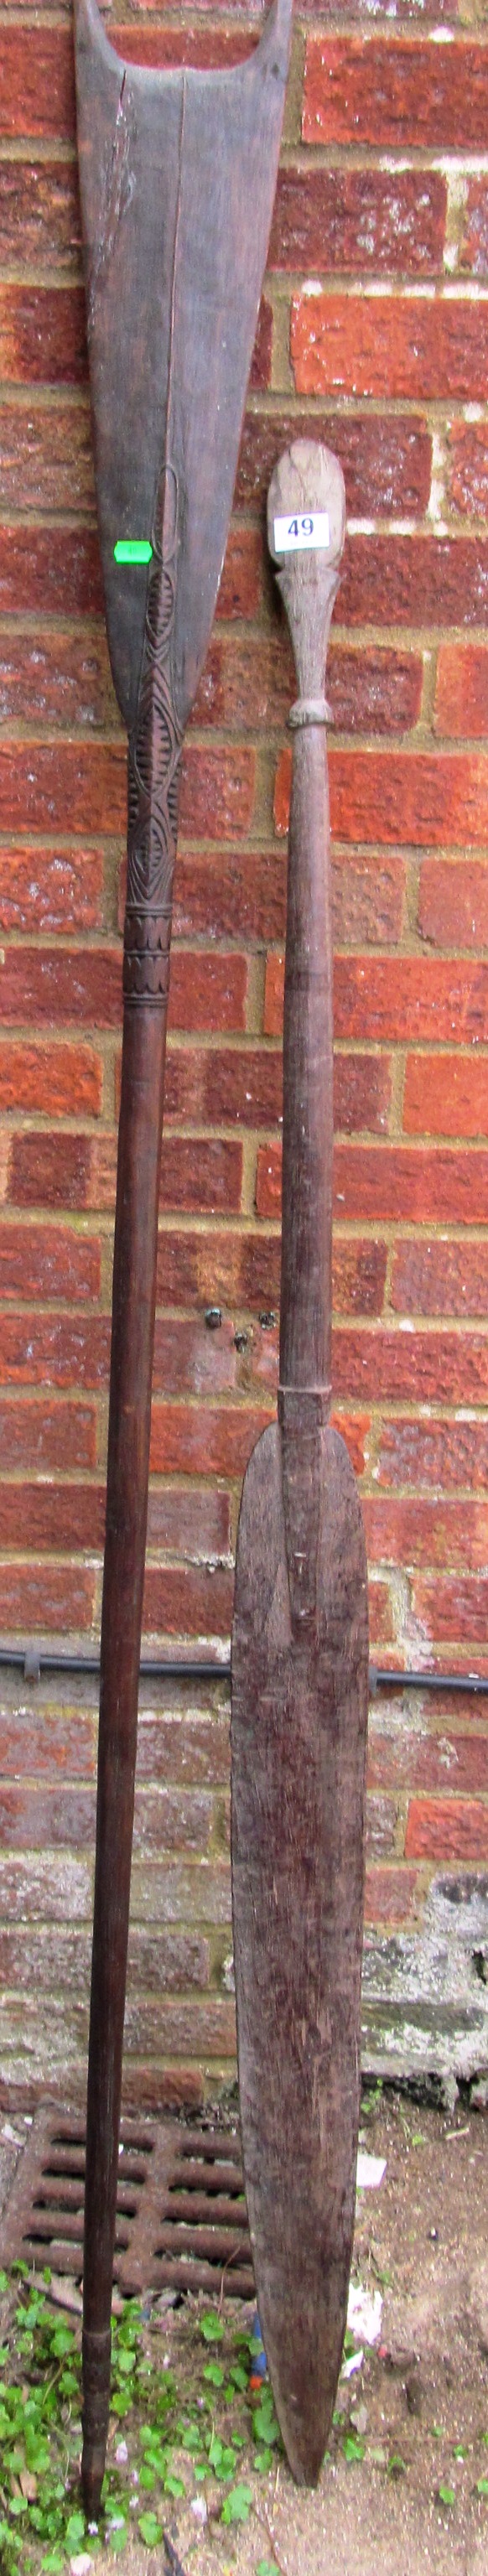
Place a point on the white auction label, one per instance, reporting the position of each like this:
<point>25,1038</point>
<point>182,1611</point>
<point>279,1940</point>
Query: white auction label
<point>312,529</point>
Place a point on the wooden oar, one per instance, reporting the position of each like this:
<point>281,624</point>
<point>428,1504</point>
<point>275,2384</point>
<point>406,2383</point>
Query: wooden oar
<point>300,1641</point>
<point>177,174</point>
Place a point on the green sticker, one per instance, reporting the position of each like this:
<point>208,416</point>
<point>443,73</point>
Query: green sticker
<point>133,550</point>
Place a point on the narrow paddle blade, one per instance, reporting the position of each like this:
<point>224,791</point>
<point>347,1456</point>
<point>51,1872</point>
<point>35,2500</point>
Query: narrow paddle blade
<point>298,1756</point>
<point>177,176</point>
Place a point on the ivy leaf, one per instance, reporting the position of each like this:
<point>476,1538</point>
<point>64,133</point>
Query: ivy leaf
<point>214,2372</point>
<point>237,2505</point>
<point>150,2529</point>
<point>446,2495</point>
<point>211,2327</point>
<point>481,2486</point>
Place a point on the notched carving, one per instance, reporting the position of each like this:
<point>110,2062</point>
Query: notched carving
<point>154,766</point>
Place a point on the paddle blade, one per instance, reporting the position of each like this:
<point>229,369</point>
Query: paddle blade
<point>298,1757</point>
<point>177,178</point>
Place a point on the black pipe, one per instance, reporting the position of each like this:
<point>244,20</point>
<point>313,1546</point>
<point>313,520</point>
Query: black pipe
<point>32,1662</point>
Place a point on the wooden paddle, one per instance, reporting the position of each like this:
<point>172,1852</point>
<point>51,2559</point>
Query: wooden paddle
<point>300,1638</point>
<point>177,176</point>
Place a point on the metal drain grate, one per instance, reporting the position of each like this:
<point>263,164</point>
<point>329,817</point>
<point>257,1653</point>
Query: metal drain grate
<point>181,2210</point>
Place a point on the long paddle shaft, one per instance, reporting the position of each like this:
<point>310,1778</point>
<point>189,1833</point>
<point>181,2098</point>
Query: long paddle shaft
<point>177,177</point>
<point>300,1644</point>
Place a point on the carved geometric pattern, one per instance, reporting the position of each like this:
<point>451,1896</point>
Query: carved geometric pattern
<point>154,762</point>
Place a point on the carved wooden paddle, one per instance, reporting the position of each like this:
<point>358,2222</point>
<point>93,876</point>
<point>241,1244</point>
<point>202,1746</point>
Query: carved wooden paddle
<point>177,175</point>
<point>300,1639</point>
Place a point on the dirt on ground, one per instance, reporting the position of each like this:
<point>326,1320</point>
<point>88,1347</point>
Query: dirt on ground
<point>405,2483</point>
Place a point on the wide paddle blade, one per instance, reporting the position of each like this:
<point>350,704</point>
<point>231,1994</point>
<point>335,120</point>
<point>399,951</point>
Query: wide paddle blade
<point>177,177</point>
<point>298,1749</point>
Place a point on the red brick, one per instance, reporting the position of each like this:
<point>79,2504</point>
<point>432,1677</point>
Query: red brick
<point>193,1523</point>
<point>461,698</point>
<point>67,1518</point>
<point>453,903</point>
<point>196,1440</point>
<point>243,895</point>
<point>48,1261</point>
<point>71,985</point>
<point>380,346</point>
<point>414,1533</point>
<point>468,476</point>
<point>54,1350</point>
<point>391,1895</point>
<point>243,1270</point>
<point>367,906</point>
<point>46,448</point>
<point>46,1597</point>
<point>36,1434</point>
<point>452,1610</point>
<point>58,569</point>
<point>345,220</point>
<point>391,1184</point>
<point>49,890</point>
<point>39,214</point>
<point>260,373</point>
<point>186,1603</point>
<point>156,2088</point>
<point>474,250</point>
<point>359,89</point>
<point>63,1081</point>
<point>386,461</point>
<point>434,1454</point>
<point>184,1749</point>
<point>217,792</point>
<point>446,1096</point>
<point>38,77</point>
<point>43,335</point>
<point>439,1278</point>
<point>38,1817</point>
<point>447,1829</point>
<point>52,1743</point>
<point>42,784</point>
<point>172,1820</point>
<point>445,1761</point>
<point>247,1087</point>
<point>415,580</point>
<point>422,998</point>
<point>381,1633</point>
<point>56,679</point>
<point>393,797</point>
<point>422,1367</point>
<point>248,682</point>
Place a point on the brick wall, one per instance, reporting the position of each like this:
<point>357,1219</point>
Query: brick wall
<point>373,332</point>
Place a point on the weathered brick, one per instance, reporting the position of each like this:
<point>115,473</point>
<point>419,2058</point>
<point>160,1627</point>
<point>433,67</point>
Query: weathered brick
<point>67,985</point>
<point>201,2029</point>
<point>247,1087</point>
<point>439,1278</point>
<point>250,683</point>
<point>443,1761</point>
<point>59,1597</point>
<point>65,1518</point>
<point>60,1743</point>
<point>70,1171</point>
<point>391,1895</point>
<point>461,698</point>
<point>43,335</point>
<point>388,1364</point>
<point>383,346</point>
<point>180,1749</point>
<point>391,1184</point>
<point>386,461</point>
<point>424,996</point>
<point>198,1440</point>
<point>474,247</point>
<point>62,1081</point>
<point>452,1609</point>
<point>371,220</point>
<point>50,889</point>
<point>260,373</point>
<point>387,796</point>
<point>446,1096</point>
<point>39,214</point>
<point>182,1602</point>
<point>415,580</point>
<point>367,906</point>
<point>61,679</point>
<point>46,448</point>
<point>34,1433</point>
<point>468,467</point>
<point>415,1533</point>
<point>453,903</point>
<point>243,895</point>
<point>58,569</point>
<point>381,1827</point>
<point>153,2088</point>
<point>39,79</point>
<point>405,91</point>
<point>447,1829</point>
<point>243,1269</point>
<point>435,1454</point>
<point>48,1261</point>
